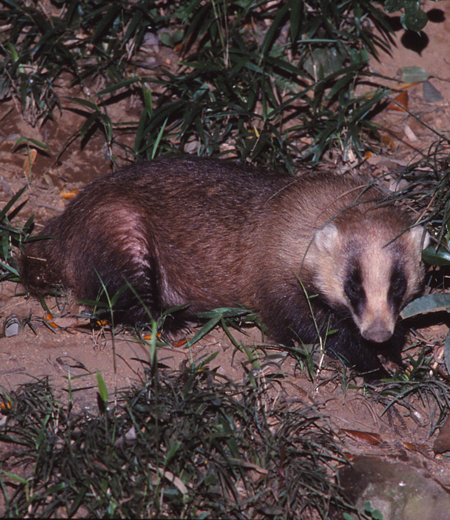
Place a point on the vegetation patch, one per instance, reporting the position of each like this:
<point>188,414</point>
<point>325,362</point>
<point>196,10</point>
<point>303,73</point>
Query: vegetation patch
<point>186,445</point>
<point>270,82</point>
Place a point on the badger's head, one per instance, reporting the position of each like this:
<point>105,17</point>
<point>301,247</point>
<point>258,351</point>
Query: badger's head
<point>370,269</point>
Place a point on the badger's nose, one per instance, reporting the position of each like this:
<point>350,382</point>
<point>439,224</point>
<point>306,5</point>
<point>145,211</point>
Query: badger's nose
<point>377,332</point>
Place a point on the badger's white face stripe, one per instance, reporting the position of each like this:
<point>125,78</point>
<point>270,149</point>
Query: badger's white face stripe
<point>377,321</point>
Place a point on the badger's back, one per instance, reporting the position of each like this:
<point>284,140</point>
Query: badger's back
<point>181,228</point>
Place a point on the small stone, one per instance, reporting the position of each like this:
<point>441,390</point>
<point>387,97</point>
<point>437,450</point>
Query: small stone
<point>12,325</point>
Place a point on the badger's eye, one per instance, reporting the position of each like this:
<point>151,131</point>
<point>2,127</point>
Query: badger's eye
<point>354,290</point>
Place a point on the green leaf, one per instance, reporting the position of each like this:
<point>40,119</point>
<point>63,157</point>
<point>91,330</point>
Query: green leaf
<point>296,18</point>
<point>392,6</point>
<point>158,139</point>
<point>102,389</point>
<point>340,84</point>
<point>13,51</point>
<point>148,102</point>
<point>413,74</point>
<point>275,26</point>
<point>90,121</point>
<point>85,103</point>
<point>29,141</point>
<point>171,453</point>
<point>17,478</point>
<point>135,22</point>
<point>106,21</point>
<point>427,304</point>
<point>166,39</point>
<point>117,295</point>
<point>203,331</point>
<point>9,269</point>
<point>413,19</point>
<point>140,133</point>
<point>433,257</point>
<point>117,86</point>
<point>324,62</point>
<point>11,202</point>
<point>223,312</point>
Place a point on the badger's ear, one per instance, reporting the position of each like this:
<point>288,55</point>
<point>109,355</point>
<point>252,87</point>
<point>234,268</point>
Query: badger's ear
<point>419,237</point>
<point>326,238</point>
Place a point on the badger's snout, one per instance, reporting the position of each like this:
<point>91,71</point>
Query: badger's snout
<point>378,332</point>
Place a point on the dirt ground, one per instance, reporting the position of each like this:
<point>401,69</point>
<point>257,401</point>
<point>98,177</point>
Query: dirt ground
<point>66,348</point>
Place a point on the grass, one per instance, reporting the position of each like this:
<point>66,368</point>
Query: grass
<point>186,445</point>
<point>426,190</point>
<point>12,237</point>
<point>274,83</point>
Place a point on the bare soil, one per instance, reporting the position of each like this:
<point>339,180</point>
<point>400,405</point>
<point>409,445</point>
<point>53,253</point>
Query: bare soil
<point>70,355</point>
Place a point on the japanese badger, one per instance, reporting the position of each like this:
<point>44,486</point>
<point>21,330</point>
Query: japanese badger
<point>212,233</point>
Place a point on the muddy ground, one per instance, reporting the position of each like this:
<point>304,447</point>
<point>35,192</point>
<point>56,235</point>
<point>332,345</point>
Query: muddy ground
<point>66,347</point>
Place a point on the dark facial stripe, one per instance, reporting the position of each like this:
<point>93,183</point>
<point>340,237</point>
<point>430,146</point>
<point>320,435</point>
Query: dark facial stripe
<point>398,285</point>
<point>353,288</point>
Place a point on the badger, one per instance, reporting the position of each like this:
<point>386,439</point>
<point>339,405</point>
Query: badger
<point>318,257</point>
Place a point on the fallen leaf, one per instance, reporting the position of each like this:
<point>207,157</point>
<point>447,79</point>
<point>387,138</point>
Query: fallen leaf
<point>431,94</point>
<point>49,319</point>
<point>410,134</point>
<point>28,162</point>
<point>179,343</point>
<point>66,194</point>
<point>373,439</point>
<point>413,74</point>
<point>176,481</point>
<point>418,448</point>
<point>399,103</point>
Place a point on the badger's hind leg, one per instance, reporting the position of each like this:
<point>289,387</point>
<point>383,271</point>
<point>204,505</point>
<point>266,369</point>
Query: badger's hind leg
<point>133,291</point>
<point>121,263</point>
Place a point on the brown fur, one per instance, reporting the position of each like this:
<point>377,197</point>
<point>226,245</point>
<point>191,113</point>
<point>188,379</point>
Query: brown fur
<point>216,234</point>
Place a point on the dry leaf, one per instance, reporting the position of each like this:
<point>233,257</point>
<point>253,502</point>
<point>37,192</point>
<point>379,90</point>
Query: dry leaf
<point>176,481</point>
<point>388,141</point>
<point>66,194</point>
<point>28,162</point>
<point>49,319</point>
<point>179,343</point>
<point>418,448</point>
<point>148,337</point>
<point>410,134</point>
<point>399,103</point>
<point>373,439</point>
